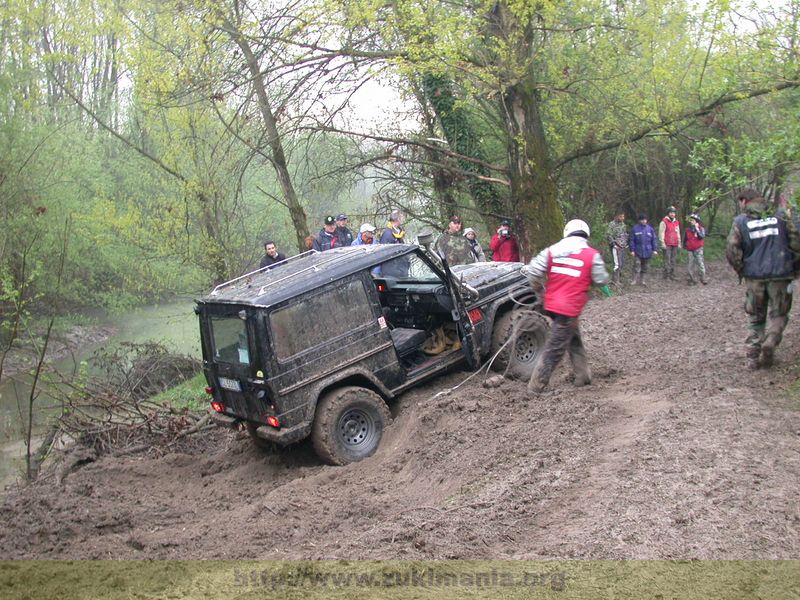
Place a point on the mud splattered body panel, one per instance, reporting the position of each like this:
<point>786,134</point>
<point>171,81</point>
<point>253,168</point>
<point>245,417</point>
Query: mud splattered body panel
<point>275,340</point>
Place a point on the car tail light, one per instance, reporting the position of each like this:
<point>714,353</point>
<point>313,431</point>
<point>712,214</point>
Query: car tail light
<point>273,421</point>
<point>475,315</point>
<point>209,390</point>
<point>218,406</point>
<point>380,287</point>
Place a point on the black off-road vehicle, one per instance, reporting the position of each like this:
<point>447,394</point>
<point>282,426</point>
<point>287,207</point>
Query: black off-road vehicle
<point>317,344</point>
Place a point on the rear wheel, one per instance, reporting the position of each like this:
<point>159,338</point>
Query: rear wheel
<point>348,425</point>
<point>526,332</point>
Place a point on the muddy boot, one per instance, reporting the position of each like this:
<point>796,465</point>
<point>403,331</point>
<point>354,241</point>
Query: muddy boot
<point>691,281</point>
<point>753,357</point>
<point>539,379</point>
<point>580,365</point>
<point>617,279</point>
<point>767,358</point>
<point>704,280</point>
<point>642,281</point>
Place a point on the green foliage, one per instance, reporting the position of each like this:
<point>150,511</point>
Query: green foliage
<point>188,394</point>
<point>755,157</point>
<point>191,194</point>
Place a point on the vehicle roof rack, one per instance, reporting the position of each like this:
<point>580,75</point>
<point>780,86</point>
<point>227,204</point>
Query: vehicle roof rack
<point>222,286</point>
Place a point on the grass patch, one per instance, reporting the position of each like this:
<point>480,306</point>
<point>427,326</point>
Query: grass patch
<point>190,394</point>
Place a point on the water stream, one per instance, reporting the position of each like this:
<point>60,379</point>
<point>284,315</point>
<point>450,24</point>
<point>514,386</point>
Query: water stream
<point>173,324</point>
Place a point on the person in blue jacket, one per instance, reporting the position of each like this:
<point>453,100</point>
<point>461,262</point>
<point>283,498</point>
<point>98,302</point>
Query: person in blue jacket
<point>366,236</point>
<point>643,242</point>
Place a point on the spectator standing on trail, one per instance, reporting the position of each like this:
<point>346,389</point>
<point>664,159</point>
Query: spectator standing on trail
<point>763,246</point>
<point>394,232</point>
<point>366,236</point>
<point>569,267</point>
<point>344,237</point>
<point>326,238</point>
<point>693,241</point>
<point>271,256</point>
<point>504,245</point>
<point>474,245</point>
<point>617,239</point>
<point>452,246</point>
<point>643,248</point>
<point>669,236</point>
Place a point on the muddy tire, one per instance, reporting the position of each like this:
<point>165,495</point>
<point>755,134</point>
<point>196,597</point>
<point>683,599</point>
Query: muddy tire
<point>528,331</point>
<point>348,425</point>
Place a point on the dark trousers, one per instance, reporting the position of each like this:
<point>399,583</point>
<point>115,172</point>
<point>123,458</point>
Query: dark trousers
<point>565,336</point>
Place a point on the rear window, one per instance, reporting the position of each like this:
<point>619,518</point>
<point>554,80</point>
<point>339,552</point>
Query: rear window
<point>229,335</point>
<point>321,318</point>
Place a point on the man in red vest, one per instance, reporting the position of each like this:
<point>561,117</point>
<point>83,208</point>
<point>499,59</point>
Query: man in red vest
<point>669,236</point>
<point>569,267</point>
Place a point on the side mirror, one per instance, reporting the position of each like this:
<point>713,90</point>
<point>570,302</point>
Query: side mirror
<point>425,239</point>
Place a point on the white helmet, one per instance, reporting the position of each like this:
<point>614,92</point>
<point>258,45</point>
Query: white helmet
<point>576,226</point>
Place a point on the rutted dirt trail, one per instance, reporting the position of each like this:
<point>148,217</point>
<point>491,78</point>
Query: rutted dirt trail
<point>675,451</point>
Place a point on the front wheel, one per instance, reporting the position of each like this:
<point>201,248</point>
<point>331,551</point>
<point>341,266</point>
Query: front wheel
<point>348,425</point>
<point>522,335</point>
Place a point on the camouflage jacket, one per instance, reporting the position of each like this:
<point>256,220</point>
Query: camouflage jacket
<point>455,248</point>
<point>771,250</point>
<point>617,234</point>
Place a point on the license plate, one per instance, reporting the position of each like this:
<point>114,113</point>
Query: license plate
<point>230,384</point>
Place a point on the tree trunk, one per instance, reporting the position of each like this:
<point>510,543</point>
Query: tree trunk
<point>538,217</point>
<point>296,212</point>
<point>462,138</point>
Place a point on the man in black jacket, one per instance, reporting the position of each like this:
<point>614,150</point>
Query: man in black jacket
<point>326,238</point>
<point>271,256</point>
<point>344,237</point>
<point>762,248</point>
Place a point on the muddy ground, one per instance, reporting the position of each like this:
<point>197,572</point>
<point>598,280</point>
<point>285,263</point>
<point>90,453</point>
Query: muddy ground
<point>675,451</point>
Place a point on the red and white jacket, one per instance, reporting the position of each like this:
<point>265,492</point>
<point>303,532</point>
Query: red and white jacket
<point>570,266</point>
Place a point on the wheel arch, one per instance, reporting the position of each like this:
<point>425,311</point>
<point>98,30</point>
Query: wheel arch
<point>355,378</point>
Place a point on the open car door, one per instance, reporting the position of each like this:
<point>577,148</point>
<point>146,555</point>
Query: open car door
<point>461,317</point>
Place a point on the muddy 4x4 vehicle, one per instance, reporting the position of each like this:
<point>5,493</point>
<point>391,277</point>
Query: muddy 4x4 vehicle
<point>318,344</point>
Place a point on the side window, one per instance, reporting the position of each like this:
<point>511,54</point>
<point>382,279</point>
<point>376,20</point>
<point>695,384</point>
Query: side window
<point>319,319</point>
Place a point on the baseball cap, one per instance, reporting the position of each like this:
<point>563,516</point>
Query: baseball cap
<point>505,222</point>
<point>695,216</point>
<point>341,217</point>
<point>671,209</point>
<point>330,220</point>
<point>366,227</point>
<point>469,230</point>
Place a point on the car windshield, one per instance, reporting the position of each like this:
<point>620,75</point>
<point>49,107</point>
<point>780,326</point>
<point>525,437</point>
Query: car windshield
<point>409,267</point>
